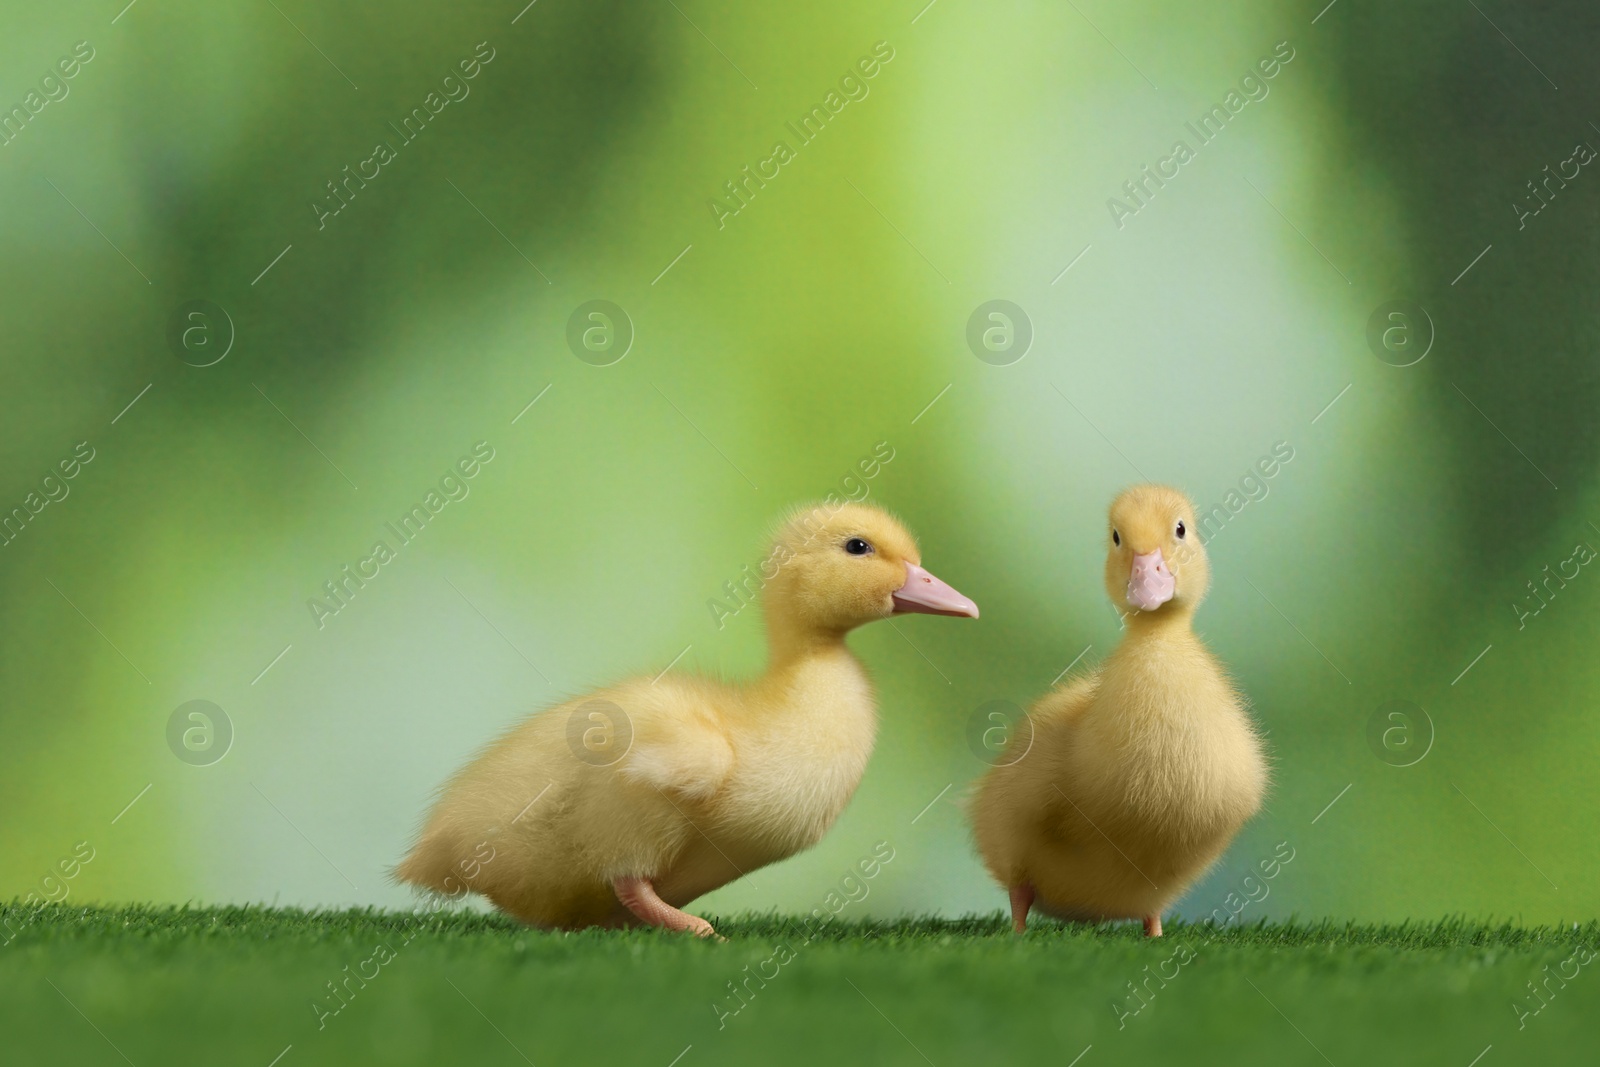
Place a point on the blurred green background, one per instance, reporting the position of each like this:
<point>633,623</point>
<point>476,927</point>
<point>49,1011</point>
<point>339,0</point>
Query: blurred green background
<point>773,349</point>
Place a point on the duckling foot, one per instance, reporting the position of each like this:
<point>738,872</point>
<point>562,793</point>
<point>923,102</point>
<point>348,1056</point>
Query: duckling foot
<point>1152,926</point>
<point>1021,904</point>
<point>639,897</point>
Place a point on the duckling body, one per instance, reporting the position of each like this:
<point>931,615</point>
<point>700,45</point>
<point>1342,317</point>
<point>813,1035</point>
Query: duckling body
<point>623,806</point>
<point>800,746</point>
<point>1138,775</point>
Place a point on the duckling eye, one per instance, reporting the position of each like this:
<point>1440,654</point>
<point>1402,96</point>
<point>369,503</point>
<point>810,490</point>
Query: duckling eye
<point>1180,529</point>
<point>857,547</point>
<point>1116,538</point>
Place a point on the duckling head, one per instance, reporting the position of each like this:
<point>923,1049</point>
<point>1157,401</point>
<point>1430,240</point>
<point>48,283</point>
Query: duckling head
<point>1155,560</point>
<point>842,565</point>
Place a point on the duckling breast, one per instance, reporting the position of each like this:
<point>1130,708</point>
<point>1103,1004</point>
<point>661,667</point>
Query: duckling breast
<point>1178,766</point>
<point>798,758</point>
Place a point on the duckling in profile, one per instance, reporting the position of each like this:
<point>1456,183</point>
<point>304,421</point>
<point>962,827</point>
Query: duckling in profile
<point>622,806</point>
<point>1135,777</point>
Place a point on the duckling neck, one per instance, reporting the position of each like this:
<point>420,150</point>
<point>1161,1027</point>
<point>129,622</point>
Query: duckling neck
<point>790,644</point>
<point>1151,655</point>
<point>812,673</point>
<point>1173,622</point>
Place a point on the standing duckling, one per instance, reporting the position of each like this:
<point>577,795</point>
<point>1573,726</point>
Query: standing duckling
<point>1135,777</point>
<point>622,806</point>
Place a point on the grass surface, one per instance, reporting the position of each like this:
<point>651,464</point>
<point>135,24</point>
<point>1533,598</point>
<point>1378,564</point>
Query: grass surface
<point>236,985</point>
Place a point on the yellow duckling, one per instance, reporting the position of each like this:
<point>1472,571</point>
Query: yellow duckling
<point>623,806</point>
<point>1134,778</point>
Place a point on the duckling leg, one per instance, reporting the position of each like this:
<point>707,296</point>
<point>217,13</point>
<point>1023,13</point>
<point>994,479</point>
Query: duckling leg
<point>639,897</point>
<point>1152,926</point>
<point>1021,903</point>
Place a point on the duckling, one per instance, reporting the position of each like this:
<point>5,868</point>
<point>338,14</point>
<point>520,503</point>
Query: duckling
<point>1134,778</point>
<point>620,807</point>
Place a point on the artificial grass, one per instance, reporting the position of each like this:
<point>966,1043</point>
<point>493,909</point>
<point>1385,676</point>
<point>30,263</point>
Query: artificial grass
<point>240,985</point>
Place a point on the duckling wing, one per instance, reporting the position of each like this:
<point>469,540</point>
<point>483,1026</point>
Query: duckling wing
<point>680,739</point>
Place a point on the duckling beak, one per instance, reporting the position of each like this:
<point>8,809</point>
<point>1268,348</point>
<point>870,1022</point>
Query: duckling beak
<point>1150,583</point>
<point>925,594</point>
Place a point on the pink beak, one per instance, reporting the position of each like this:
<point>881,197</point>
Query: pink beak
<point>927,595</point>
<point>1150,583</point>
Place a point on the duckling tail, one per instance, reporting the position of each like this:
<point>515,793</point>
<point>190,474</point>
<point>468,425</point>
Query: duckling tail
<point>428,865</point>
